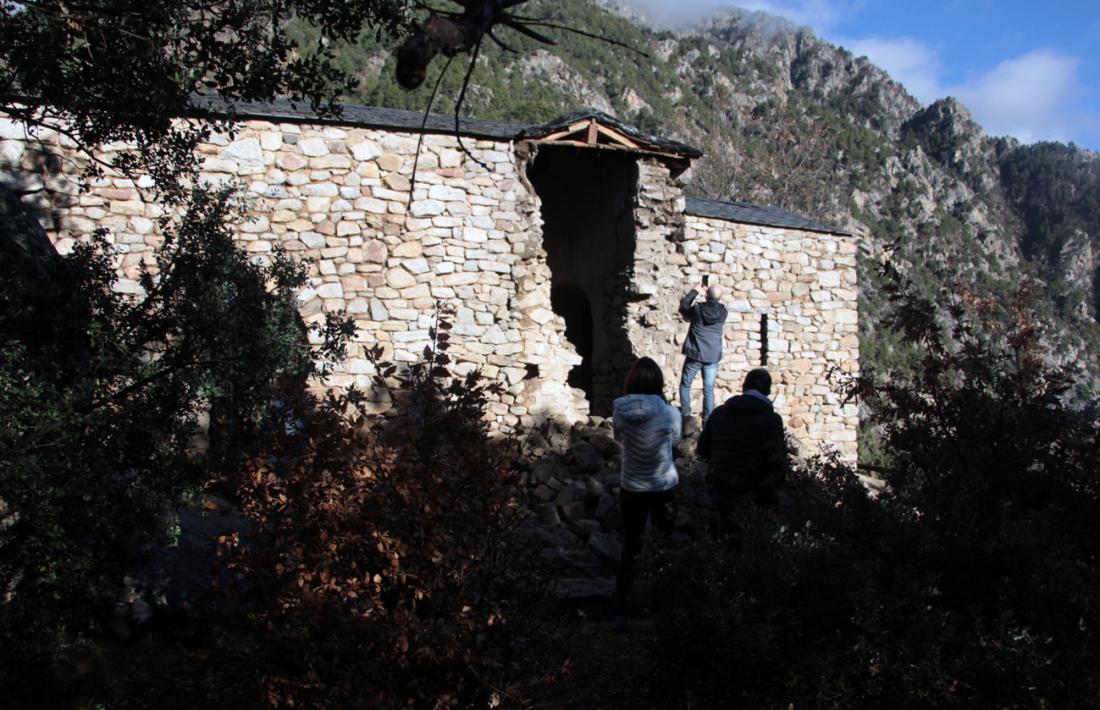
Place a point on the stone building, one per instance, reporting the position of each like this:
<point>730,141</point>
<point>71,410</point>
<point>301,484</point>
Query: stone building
<point>564,249</point>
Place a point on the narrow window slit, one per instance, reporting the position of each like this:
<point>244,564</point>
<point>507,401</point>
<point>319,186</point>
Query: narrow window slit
<point>764,340</point>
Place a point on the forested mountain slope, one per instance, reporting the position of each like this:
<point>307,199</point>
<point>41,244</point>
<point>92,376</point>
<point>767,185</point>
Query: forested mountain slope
<point>790,120</point>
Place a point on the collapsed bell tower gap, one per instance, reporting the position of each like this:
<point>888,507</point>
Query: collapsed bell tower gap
<point>588,233</point>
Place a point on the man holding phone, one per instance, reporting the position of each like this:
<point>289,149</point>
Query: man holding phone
<point>703,345</point>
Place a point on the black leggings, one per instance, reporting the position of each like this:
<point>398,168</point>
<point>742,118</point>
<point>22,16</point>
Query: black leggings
<point>637,508</point>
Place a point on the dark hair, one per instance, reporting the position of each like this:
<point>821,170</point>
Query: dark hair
<point>759,380</point>
<point>645,378</point>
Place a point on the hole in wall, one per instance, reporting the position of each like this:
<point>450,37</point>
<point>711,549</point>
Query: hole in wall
<point>1096,295</point>
<point>588,231</point>
<point>569,302</point>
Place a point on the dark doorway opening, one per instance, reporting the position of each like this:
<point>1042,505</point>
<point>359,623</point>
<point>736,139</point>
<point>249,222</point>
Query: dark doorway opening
<point>588,198</point>
<point>569,302</point>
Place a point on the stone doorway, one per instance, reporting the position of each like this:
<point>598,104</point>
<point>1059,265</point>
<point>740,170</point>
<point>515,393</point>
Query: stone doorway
<point>588,197</point>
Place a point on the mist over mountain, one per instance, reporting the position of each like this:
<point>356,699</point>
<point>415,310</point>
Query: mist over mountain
<point>790,120</point>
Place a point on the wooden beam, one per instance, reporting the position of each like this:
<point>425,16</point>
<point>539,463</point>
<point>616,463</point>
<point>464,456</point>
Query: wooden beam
<point>619,137</point>
<point>593,133</point>
<point>575,127</point>
<point>574,144</point>
<point>558,134</point>
<point>607,146</point>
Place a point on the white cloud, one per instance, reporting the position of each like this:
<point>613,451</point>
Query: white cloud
<point>1030,97</point>
<point>818,14</point>
<point>673,14</point>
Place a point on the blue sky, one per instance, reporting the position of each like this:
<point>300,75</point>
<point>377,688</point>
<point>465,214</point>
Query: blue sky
<point>1024,68</point>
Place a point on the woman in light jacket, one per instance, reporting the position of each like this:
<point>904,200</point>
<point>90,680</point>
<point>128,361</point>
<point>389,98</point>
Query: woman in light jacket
<point>648,427</point>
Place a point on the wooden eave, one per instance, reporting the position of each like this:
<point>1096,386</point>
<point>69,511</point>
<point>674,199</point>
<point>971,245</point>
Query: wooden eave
<point>590,133</point>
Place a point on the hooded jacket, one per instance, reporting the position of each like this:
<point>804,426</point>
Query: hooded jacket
<point>648,428</point>
<point>743,444</point>
<point>708,320</point>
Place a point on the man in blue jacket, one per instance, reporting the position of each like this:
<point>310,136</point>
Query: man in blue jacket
<point>702,347</point>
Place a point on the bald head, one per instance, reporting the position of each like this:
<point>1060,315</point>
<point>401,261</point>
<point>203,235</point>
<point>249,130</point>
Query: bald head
<point>714,292</point>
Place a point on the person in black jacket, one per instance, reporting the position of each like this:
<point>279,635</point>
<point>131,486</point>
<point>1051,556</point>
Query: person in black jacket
<point>745,449</point>
<point>702,347</point>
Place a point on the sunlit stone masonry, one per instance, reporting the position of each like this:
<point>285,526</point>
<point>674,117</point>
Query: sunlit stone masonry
<point>563,248</point>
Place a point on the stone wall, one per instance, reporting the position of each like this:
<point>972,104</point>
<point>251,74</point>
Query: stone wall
<point>805,283</point>
<point>337,198</point>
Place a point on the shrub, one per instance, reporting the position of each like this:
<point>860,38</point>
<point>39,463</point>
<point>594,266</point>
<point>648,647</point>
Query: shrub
<point>970,581</point>
<point>383,553</point>
<point>100,393</point>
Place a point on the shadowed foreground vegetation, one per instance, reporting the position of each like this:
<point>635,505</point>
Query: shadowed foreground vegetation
<point>970,581</point>
<point>381,566</point>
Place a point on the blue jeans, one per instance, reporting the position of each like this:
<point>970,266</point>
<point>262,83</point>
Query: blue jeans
<point>687,376</point>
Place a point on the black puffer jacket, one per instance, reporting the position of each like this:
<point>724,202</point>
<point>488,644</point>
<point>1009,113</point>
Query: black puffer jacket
<point>743,444</point>
<point>708,320</point>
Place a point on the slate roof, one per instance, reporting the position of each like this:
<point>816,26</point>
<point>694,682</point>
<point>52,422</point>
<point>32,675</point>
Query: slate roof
<point>400,119</point>
<point>364,117</point>
<point>378,117</point>
<point>747,213</point>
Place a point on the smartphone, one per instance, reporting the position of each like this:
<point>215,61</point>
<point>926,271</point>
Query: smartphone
<point>706,279</point>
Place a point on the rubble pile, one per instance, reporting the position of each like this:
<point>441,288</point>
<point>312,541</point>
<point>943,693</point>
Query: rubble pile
<point>576,524</point>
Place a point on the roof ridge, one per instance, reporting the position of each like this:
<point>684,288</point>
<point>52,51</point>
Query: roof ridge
<point>410,120</point>
<point>749,213</point>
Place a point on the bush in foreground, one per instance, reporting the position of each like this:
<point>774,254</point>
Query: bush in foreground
<point>972,579</point>
<point>100,396</point>
<point>383,559</point>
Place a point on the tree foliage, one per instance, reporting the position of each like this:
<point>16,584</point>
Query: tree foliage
<point>383,553</point>
<point>1058,191</point>
<point>101,394</point>
<point>126,70</point>
<point>511,86</point>
<point>784,158</point>
<point>970,581</point>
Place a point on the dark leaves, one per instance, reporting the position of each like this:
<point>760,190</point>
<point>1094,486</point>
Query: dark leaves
<point>397,527</point>
<point>125,70</point>
<point>973,568</point>
<point>101,395</point>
